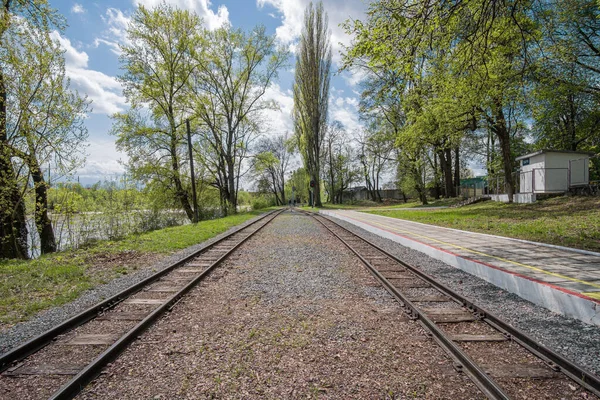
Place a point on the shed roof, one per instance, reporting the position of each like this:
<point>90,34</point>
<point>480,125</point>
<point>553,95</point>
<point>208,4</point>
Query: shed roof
<point>587,153</point>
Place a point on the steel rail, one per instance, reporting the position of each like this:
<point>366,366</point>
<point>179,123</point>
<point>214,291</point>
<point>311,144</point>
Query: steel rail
<point>31,346</point>
<point>554,360</point>
<point>93,369</point>
<point>483,381</point>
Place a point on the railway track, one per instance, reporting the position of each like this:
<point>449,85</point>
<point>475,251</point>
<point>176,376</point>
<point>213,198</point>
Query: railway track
<point>496,356</point>
<point>71,354</point>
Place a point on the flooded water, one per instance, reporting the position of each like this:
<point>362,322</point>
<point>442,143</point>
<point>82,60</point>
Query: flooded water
<point>76,230</point>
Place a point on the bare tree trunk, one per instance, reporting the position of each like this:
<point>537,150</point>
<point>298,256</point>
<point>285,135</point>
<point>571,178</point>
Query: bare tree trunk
<point>446,167</point>
<point>572,132</point>
<point>13,227</point>
<point>504,138</point>
<point>180,192</point>
<point>282,187</point>
<point>42,221</point>
<point>419,187</point>
<point>232,199</point>
<point>437,188</point>
<point>457,170</point>
<point>331,174</point>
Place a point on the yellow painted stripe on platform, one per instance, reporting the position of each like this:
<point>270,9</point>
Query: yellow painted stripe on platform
<point>486,255</point>
<point>593,295</point>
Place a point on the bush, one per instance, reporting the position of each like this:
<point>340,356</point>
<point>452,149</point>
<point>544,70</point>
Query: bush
<point>258,203</point>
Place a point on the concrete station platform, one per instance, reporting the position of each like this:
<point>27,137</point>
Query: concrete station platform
<point>561,279</point>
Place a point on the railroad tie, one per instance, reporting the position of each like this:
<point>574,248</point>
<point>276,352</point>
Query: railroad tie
<point>44,369</point>
<point>93,339</point>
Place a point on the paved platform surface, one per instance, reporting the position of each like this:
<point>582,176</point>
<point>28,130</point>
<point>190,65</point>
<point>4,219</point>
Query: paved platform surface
<point>561,279</point>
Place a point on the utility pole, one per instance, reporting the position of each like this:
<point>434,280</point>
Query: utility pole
<point>194,198</point>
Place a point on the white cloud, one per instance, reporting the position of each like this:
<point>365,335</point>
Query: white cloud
<point>341,108</point>
<point>104,91</point>
<point>116,32</point>
<point>201,7</point>
<point>103,159</point>
<point>77,9</point>
<point>354,77</point>
<point>279,121</point>
<point>73,57</point>
<point>338,11</point>
<point>353,101</point>
<point>117,21</point>
<point>345,110</point>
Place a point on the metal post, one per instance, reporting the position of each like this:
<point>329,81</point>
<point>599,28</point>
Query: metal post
<point>194,198</point>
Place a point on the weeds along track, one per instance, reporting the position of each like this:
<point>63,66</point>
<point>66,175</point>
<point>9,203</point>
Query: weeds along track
<point>60,362</point>
<point>501,360</point>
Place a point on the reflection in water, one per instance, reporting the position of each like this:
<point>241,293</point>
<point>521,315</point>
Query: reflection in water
<point>76,230</point>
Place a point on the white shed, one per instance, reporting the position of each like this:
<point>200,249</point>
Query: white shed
<point>553,171</point>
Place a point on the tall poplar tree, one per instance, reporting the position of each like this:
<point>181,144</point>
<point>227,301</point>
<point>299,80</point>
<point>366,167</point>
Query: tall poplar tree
<point>311,91</point>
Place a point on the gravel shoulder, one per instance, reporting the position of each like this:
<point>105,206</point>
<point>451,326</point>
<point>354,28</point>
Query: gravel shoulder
<point>21,332</point>
<point>293,314</point>
<point>571,338</point>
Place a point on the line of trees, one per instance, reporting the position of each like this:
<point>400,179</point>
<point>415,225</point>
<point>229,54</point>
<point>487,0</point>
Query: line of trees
<point>444,84</point>
<point>177,70</point>
<point>485,79</point>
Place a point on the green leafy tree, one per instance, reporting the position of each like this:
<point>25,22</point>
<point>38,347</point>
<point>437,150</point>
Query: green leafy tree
<point>271,164</point>
<point>566,90</point>
<point>339,163</point>
<point>46,118</point>
<point>311,91</point>
<point>39,116</point>
<point>231,78</point>
<point>159,61</point>
<point>376,153</point>
<point>300,180</point>
<point>475,54</point>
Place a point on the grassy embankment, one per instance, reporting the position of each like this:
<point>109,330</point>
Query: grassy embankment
<point>364,205</point>
<point>27,287</point>
<point>564,221</point>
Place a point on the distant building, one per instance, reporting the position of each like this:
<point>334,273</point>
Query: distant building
<point>473,187</point>
<point>358,193</point>
<point>551,171</point>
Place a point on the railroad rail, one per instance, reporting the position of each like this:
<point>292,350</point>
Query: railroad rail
<point>467,332</point>
<point>148,299</point>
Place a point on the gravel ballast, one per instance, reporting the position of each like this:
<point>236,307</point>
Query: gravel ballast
<point>293,314</point>
<point>569,337</point>
<point>45,320</point>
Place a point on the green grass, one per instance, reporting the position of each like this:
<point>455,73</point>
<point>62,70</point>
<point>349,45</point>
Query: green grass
<point>418,204</point>
<point>368,205</point>
<point>565,221</point>
<point>329,206</point>
<point>176,238</point>
<point>27,287</point>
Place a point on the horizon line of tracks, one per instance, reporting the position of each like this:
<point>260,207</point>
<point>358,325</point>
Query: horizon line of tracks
<point>468,333</point>
<point>126,315</point>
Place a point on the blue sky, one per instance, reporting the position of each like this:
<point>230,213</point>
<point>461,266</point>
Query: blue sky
<point>95,29</point>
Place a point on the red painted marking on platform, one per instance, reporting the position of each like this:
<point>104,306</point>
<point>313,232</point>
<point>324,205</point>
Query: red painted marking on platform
<point>565,290</point>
